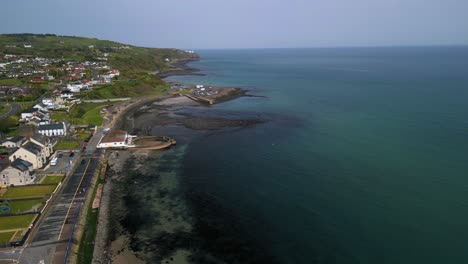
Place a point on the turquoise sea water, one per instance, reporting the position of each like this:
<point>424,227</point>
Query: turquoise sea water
<point>364,158</point>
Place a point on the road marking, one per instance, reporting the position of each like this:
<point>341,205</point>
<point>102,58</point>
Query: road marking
<point>77,189</point>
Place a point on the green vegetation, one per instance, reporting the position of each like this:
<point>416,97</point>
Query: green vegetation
<point>94,116</point>
<point>86,247</point>
<point>5,237</point>
<point>68,144</point>
<point>83,136</point>
<point>28,191</point>
<point>10,81</point>
<point>19,206</point>
<point>4,109</point>
<point>82,114</point>
<point>52,179</point>
<point>17,221</point>
<point>128,59</point>
<point>138,86</point>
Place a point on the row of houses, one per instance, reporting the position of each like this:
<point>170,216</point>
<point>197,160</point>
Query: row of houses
<point>26,156</point>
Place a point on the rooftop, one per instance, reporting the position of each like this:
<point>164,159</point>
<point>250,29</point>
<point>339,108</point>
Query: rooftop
<point>32,147</point>
<point>114,136</point>
<point>41,139</point>
<point>51,126</point>
<point>21,164</point>
<point>15,139</point>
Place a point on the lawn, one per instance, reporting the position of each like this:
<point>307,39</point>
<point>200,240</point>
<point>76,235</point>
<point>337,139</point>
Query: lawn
<point>6,236</point>
<point>11,81</point>
<point>17,221</point>
<point>93,116</point>
<point>19,206</point>
<point>68,144</point>
<point>4,109</point>
<point>52,179</point>
<point>28,191</point>
<point>82,114</point>
<point>83,136</point>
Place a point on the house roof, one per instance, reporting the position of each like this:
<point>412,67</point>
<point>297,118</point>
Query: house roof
<point>40,138</point>
<point>15,139</point>
<point>114,136</point>
<point>51,126</point>
<point>30,110</point>
<point>32,147</point>
<point>21,164</point>
<point>41,105</point>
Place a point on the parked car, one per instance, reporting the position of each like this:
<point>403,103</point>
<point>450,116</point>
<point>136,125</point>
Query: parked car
<point>72,154</point>
<point>60,155</point>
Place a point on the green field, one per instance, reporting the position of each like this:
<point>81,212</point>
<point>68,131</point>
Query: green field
<point>19,206</point>
<point>49,179</point>
<point>17,221</point>
<point>83,136</point>
<point>3,108</point>
<point>82,114</point>
<point>10,81</point>
<point>93,117</point>
<point>28,191</point>
<point>68,144</point>
<point>6,236</point>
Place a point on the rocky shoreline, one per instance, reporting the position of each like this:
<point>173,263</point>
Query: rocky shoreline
<point>180,68</point>
<point>156,216</point>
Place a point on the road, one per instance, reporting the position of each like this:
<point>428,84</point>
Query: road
<point>14,108</point>
<point>49,239</point>
<point>107,100</point>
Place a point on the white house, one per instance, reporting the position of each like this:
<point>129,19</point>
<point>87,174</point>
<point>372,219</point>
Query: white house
<point>30,152</point>
<point>28,113</point>
<point>41,107</point>
<point>49,102</point>
<point>116,139</point>
<point>19,172</point>
<point>13,142</point>
<point>76,87</point>
<point>53,130</point>
<point>66,95</point>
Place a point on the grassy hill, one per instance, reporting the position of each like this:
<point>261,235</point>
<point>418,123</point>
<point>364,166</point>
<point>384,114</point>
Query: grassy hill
<point>128,59</point>
<point>136,65</point>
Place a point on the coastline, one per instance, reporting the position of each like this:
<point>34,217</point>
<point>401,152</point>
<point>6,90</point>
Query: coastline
<point>114,243</point>
<point>180,68</point>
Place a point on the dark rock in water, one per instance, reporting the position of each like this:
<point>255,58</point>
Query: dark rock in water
<point>207,123</point>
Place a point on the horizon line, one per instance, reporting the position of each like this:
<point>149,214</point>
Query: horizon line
<point>261,48</point>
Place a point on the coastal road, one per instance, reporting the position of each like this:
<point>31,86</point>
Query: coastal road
<point>49,239</point>
<point>14,108</point>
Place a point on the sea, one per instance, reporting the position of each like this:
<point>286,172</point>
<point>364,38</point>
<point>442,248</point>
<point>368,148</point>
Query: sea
<point>363,157</point>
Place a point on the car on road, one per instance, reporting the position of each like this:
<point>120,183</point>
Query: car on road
<point>72,154</point>
<point>60,155</point>
<point>83,161</point>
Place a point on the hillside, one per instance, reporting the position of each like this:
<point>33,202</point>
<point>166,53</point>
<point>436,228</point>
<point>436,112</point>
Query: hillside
<point>127,58</point>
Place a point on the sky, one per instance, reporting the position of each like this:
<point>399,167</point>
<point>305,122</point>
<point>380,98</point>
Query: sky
<point>208,24</point>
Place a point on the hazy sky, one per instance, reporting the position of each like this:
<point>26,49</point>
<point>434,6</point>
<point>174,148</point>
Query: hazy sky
<point>245,23</point>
